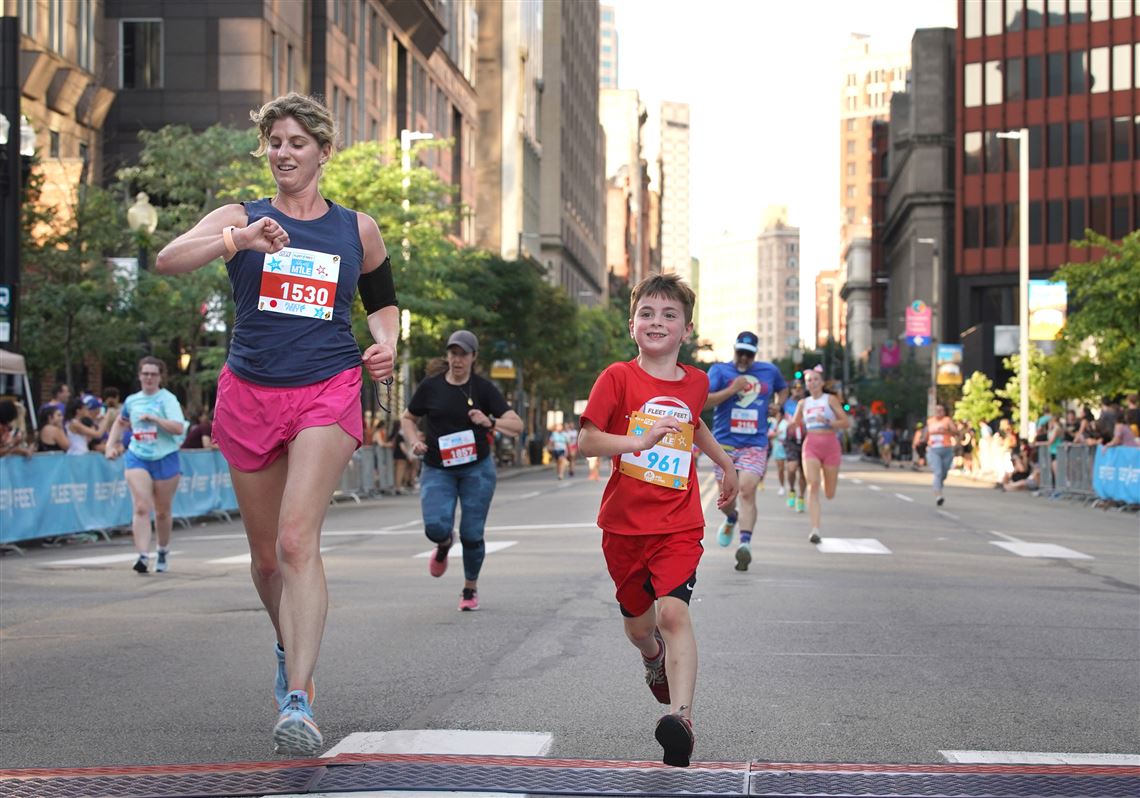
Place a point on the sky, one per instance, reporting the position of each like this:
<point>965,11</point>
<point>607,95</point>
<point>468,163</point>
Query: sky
<point>763,81</point>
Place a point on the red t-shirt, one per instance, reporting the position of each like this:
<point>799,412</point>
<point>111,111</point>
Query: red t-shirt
<point>630,506</point>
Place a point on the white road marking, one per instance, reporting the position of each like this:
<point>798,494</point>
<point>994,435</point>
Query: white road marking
<point>584,525</point>
<point>904,498</point>
<point>492,546</point>
<point>244,559</point>
<point>1037,758</point>
<point>851,546</point>
<point>857,481</point>
<point>945,514</point>
<point>874,487</point>
<point>438,741</point>
<point>106,559</point>
<point>1050,550</point>
<point>530,495</point>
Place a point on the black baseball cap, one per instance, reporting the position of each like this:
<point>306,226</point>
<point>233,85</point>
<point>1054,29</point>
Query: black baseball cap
<point>747,342</point>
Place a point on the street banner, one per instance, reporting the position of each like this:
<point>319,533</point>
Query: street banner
<point>949,364</point>
<point>889,355</point>
<point>918,323</point>
<point>1048,304</point>
<point>502,370</point>
<point>1116,473</point>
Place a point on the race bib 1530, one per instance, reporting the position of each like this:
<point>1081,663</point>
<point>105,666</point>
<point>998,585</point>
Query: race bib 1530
<point>299,282</point>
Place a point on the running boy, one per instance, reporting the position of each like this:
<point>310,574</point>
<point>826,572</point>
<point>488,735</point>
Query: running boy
<point>646,415</point>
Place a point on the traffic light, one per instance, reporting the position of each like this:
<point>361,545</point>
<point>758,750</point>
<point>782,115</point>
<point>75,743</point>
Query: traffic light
<point>847,407</point>
<point>799,375</point>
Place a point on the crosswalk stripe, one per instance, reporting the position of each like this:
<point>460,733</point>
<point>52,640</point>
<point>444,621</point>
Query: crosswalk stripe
<point>491,546</point>
<point>1044,550</point>
<point>106,559</point>
<point>904,497</point>
<point>851,546</point>
<point>244,559</point>
<point>1037,758</point>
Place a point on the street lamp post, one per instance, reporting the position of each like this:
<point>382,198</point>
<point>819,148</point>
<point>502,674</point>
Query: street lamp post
<point>142,218</point>
<point>1022,136</point>
<point>406,139</point>
<point>935,332</point>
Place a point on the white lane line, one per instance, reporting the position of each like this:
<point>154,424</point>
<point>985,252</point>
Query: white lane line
<point>439,741</point>
<point>1004,536</point>
<point>851,546</point>
<point>106,559</point>
<point>1045,550</point>
<point>874,487</point>
<point>244,559</point>
<point>585,525</point>
<point>945,514</point>
<point>904,497</point>
<point>530,495</point>
<point>857,481</point>
<point>1037,758</point>
<point>493,546</point>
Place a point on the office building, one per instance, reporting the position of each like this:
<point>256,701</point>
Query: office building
<point>608,49</point>
<point>627,251</point>
<point>673,167</point>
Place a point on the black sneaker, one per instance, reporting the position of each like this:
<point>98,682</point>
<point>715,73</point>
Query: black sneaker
<point>675,733</point>
<point>140,565</point>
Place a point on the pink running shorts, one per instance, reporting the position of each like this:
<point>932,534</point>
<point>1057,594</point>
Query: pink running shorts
<point>823,447</point>
<point>254,424</point>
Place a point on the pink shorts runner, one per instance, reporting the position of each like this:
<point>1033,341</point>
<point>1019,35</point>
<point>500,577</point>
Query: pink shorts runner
<point>823,447</point>
<point>254,424</point>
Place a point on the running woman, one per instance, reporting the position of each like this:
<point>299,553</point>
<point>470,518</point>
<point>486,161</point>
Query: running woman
<point>821,414</point>
<point>940,433</point>
<point>740,392</point>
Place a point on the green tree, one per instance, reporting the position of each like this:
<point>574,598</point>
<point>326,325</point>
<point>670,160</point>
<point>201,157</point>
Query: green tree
<point>1012,391</point>
<point>68,293</point>
<point>1098,351</point>
<point>979,404</point>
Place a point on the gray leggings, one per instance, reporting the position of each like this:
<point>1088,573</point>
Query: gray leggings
<point>940,459</point>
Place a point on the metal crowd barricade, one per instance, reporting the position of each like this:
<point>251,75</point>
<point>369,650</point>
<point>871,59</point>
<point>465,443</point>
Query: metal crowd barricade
<point>1075,470</point>
<point>385,470</point>
<point>370,471</point>
<point>352,484</point>
<point>1045,468</point>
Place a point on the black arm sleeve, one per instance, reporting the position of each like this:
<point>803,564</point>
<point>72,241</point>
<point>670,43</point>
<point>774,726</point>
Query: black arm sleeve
<point>377,290</point>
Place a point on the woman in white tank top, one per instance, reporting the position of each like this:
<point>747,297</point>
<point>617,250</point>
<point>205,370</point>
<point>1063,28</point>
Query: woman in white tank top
<point>821,414</point>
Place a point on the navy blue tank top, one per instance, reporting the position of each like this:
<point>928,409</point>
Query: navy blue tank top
<point>294,308</point>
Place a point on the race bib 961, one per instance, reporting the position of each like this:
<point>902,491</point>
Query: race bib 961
<point>666,464</point>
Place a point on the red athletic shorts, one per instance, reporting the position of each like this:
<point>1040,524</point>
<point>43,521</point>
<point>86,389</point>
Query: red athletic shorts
<point>822,447</point>
<point>254,424</point>
<point>647,567</point>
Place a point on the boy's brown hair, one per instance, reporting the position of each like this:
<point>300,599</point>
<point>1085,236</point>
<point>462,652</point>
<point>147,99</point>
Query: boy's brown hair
<point>669,286</point>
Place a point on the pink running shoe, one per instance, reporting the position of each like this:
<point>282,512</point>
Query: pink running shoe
<point>655,672</point>
<point>437,563</point>
<point>469,601</point>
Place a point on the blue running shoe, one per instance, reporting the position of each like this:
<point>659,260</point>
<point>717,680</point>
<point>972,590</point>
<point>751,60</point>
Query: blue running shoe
<point>724,533</point>
<point>281,684</point>
<point>296,732</point>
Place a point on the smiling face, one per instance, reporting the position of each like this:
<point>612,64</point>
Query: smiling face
<point>814,382</point>
<point>658,325</point>
<point>294,155</point>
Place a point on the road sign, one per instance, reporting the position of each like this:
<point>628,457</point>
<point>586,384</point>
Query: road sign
<point>918,340</point>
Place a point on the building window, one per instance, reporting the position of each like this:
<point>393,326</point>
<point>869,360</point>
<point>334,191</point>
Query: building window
<point>1012,15</point>
<point>1035,222</point>
<point>993,152</point>
<point>1121,9</point>
<point>1098,214</point>
<point>972,151</point>
<point>57,25</point>
<point>1034,14</point>
<point>1076,219</point>
<point>993,18</point>
<point>289,85</point>
<point>850,125</point>
<point>26,11</point>
<point>1034,79</point>
<point>850,146</point>
<point>972,78</point>
<point>1098,10</point>
<point>851,192</point>
<point>992,228</point>
<point>1078,11</point>
<point>993,83</point>
<point>850,167</point>
<point>275,62</point>
<point>1098,70</point>
<point>970,228</point>
<point>1121,67</point>
<point>85,34</point>
<point>1120,227</point>
<point>849,214</point>
<point>1055,144</point>
<point>1035,147</point>
<point>376,36</point>
<point>1055,74</point>
<point>973,24</point>
<point>1012,232</point>
<point>1055,223</point>
<point>53,144</point>
<point>1121,125</point>
<point>1136,137</point>
<point>1013,87</point>
<point>1012,151</point>
<point>140,53</point>
<point>1078,71</point>
<point>1077,143</point>
<point>1098,141</point>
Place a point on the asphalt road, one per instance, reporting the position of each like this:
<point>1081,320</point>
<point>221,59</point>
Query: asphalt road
<point>952,640</point>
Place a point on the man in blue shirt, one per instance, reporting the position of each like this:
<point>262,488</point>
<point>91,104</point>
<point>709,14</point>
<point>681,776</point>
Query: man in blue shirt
<point>741,392</point>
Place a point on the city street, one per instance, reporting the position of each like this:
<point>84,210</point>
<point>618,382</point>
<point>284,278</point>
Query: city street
<point>999,622</point>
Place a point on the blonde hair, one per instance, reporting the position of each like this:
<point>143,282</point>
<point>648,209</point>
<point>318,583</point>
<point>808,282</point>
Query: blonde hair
<point>669,286</point>
<point>311,113</point>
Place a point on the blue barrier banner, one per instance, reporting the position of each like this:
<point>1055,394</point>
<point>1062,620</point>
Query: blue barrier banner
<point>1116,473</point>
<point>56,494</point>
